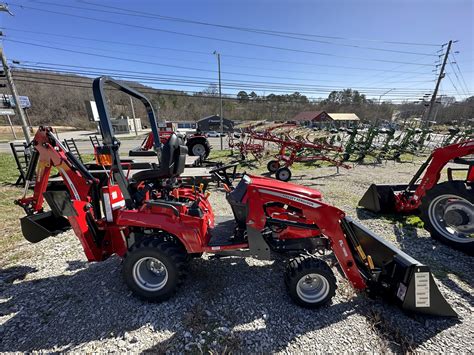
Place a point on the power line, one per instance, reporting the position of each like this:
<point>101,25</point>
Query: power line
<point>385,77</point>
<point>272,31</point>
<point>152,63</point>
<point>457,78</point>
<point>460,73</point>
<point>184,60</point>
<point>134,13</point>
<point>274,89</point>
<point>213,38</point>
<point>53,67</point>
<point>452,83</point>
<point>185,79</point>
<point>192,94</point>
<point>69,37</point>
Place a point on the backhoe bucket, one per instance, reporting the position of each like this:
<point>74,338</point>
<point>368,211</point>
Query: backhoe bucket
<point>399,277</point>
<point>381,198</point>
<point>37,227</point>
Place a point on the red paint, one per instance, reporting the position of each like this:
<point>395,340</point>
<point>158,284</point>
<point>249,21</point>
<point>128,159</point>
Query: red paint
<point>439,158</point>
<point>194,232</point>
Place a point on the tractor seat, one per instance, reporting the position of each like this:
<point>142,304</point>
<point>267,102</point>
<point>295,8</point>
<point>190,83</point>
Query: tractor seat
<point>173,160</point>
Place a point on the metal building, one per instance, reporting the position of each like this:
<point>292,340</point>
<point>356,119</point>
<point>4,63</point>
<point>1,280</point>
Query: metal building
<point>212,123</point>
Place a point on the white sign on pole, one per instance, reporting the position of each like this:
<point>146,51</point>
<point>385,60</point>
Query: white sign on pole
<point>6,112</point>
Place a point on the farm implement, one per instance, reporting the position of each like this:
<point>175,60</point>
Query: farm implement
<point>157,225</point>
<point>447,208</point>
<point>294,145</point>
<point>246,145</point>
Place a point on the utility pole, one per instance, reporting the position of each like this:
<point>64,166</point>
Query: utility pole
<point>221,120</point>
<point>133,115</point>
<point>438,82</point>
<point>18,109</point>
<point>11,84</point>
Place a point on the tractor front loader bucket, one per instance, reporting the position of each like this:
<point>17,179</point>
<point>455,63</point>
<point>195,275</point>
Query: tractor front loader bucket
<point>397,276</point>
<point>381,198</point>
<point>37,227</point>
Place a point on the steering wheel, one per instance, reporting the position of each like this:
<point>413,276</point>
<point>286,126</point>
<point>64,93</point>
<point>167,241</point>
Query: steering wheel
<point>220,172</point>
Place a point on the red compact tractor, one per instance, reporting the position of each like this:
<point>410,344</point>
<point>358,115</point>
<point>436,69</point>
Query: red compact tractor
<point>197,144</point>
<point>447,208</point>
<point>157,224</point>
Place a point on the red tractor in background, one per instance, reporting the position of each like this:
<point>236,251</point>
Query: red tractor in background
<point>156,224</point>
<point>447,208</point>
<point>197,144</point>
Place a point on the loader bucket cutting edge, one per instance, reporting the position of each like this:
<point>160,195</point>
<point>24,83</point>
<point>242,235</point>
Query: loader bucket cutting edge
<point>381,198</point>
<point>40,226</point>
<point>405,281</point>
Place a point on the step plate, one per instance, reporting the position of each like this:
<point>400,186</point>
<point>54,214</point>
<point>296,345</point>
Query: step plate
<point>223,232</point>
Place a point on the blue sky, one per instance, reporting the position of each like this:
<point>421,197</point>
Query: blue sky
<point>334,44</point>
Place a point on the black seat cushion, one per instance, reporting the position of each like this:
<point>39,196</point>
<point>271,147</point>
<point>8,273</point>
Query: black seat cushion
<point>172,162</point>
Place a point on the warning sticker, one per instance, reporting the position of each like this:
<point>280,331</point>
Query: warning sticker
<point>422,289</point>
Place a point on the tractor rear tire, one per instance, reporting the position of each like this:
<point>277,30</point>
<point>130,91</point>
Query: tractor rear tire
<point>457,228</point>
<point>153,269</point>
<point>310,281</point>
<point>283,174</point>
<point>273,166</point>
<point>198,147</point>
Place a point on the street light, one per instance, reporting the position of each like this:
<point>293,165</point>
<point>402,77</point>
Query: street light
<point>385,93</point>
<point>220,98</point>
<point>380,98</point>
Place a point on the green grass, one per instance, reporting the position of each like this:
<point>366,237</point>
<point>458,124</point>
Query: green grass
<point>10,221</point>
<point>8,170</point>
<point>404,221</point>
<point>11,214</point>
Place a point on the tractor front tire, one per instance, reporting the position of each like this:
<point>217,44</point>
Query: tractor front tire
<point>283,174</point>
<point>447,211</point>
<point>310,281</point>
<point>153,269</point>
<point>273,166</point>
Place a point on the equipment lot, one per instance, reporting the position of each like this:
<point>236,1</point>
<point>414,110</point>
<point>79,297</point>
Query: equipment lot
<point>52,300</point>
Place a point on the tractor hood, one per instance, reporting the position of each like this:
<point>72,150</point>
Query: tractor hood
<point>264,182</point>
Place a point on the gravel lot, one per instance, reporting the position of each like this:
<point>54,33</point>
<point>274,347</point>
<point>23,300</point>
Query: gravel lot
<point>52,300</point>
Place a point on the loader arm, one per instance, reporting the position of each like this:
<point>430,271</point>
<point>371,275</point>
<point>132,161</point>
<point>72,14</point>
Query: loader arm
<point>432,171</point>
<point>367,260</point>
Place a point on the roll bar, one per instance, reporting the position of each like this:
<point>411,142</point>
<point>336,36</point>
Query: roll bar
<point>105,123</point>
<point>107,132</point>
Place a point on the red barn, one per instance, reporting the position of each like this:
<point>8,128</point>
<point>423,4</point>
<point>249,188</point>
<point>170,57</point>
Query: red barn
<point>310,118</point>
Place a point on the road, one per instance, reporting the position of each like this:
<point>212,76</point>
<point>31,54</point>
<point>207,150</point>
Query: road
<point>127,141</point>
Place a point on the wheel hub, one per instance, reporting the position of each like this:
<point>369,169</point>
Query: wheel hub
<point>459,215</point>
<point>453,216</point>
<point>198,149</point>
<point>312,288</point>
<point>150,274</point>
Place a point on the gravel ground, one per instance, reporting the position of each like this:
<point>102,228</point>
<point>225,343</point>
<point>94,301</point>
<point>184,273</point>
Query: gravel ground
<point>51,299</point>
